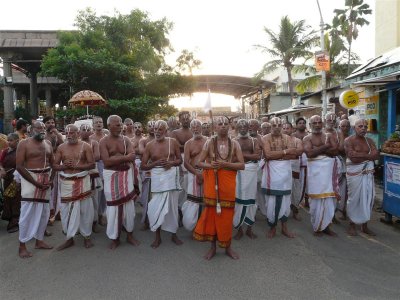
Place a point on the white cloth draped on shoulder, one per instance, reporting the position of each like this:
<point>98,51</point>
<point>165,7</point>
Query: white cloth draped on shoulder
<point>277,184</point>
<point>120,195</point>
<point>77,210</point>
<point>361,191</point>
<point>321,177</point>
<point>163,206</point>
<point>191,208</point>
<point>246,194</point>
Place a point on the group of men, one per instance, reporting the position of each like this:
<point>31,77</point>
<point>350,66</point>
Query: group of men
<point>207,183</point>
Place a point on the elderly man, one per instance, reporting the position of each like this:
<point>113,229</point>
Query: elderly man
<point>361,154</point>
<point>162,156</point>
<point>206,129</point>
<point>73,160</point>
<point>344,127</point>
<point>182,135</point>
<point>287,128</point>
<point>120,182</point>
<point>145,176</point>
<point>265,128</point>
<point>99,133</point>
<point>129,131</point>
<point>246,180</point>
<point>276,183</point>
<point>34,158</point>
<point>321,176</point>
<point>191,208</point>
<point>85,131</point>
<point>220,159</point>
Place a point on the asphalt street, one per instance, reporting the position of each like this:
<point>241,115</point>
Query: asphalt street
<point>305,267</point>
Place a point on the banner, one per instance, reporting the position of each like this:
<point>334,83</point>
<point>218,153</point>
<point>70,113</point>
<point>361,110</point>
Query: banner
<point>322,62</point>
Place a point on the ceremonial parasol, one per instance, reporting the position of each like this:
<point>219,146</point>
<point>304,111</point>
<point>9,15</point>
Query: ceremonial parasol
<point>87,98</point>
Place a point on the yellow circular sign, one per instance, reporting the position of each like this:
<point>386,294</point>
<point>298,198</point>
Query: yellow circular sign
<point>349,99</point>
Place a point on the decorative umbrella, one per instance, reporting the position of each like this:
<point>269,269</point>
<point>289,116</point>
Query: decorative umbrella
<point>87,98</point>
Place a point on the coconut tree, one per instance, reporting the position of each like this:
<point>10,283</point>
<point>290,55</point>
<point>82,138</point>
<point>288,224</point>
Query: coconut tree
<point>293,41</point>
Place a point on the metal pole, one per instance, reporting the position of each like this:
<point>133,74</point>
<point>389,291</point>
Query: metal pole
<point>323,73</point>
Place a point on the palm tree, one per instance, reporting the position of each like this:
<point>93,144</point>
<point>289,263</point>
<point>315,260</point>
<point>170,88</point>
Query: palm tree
<point>346,21</point>
<point>338,67</point>
<point>292,42</point>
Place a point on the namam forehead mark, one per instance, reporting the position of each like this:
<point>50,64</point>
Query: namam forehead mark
<point>71,128</point>
<point>195,122</point>
<point>161,124</point>
<point>38,125</point>
<point>276,121</point>
<point>221,119</point>
<point>242,122</point>
<point>85,127</point>
<point>151,123</point>
<point>330,116</point>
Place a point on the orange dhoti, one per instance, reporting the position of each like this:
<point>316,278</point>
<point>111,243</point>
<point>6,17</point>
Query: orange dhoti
<point>212,226</point>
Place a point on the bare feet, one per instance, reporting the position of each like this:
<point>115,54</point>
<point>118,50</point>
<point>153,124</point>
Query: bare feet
<point>329,232</point>
<point>271,233</point>
<point>88,243</point>
<point>352,230</point>
<point>366,230</point>
<point>67,244</point>
<point>318,233</point>
<point>286,232</point>
<point>156,243</point>
<point>114,244</point>
<point>102,221</point>
<point>211,253</point>
<point>296,216</point>
<point>250,234</point>
<point>95,229</point>
<point>131,240</point>
<point>145,226</point>
<point>239,234</point>
<point>176,240</point>
<point>42,245</point>
<point>232,254</point>
<point>23,252</point>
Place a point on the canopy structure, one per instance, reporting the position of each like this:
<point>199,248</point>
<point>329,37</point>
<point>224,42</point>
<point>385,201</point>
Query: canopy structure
<point>87,98</point>
<point>294,109</point>
<point>235,86</point>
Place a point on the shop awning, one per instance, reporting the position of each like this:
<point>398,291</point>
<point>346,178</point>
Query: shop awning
<point>293,110</point>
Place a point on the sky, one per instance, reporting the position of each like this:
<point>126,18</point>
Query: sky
<point>221,33</point>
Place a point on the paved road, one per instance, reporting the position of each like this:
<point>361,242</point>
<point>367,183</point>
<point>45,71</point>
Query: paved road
<point>302,268</point>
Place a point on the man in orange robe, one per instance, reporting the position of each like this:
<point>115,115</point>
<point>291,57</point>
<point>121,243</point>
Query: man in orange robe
<point>221,157</point>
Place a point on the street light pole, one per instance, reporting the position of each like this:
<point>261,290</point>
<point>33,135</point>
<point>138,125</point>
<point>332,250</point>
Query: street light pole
<point>323,72</point>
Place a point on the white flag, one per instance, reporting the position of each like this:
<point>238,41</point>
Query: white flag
<point>207,104</point>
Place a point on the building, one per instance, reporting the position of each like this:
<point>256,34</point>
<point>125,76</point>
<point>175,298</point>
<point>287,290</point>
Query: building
<point>387,25</point>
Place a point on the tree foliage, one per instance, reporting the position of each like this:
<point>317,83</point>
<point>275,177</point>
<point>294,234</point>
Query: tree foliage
<point>120,57</point>
<point>293,41</point>
<point>346,21</point>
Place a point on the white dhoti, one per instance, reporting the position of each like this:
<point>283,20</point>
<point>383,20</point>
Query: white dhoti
<point>163,206</point>
<point>299,181</point>
<point>120,195</point>
<point>35,207</point>
<point>102,206</point>
<point>191,208</point>
<point>183,181</point>
<point>321,176</point>
<point>76,204</point>
<point>145,193</point>
<point>276,184</point>
<point>246,194</point>
<point>361,191</point>
<point>97,190</point>
<point>342,183</point>
<point>260,199</point>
